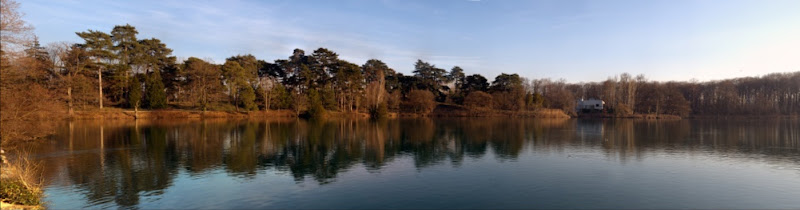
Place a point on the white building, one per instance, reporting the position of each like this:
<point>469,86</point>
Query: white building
<point>591,105</point>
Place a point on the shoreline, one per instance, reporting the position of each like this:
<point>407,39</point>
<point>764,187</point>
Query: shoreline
<point>121,114</point>
<point>442,110</point>
<point>448,111</point>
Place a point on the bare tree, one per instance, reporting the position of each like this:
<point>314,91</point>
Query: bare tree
<point>14,32</point>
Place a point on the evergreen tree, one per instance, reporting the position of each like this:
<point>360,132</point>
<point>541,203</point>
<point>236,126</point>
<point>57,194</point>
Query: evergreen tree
<point>156,97</point>
<point>282,98</point>
<point>430,76</point>
<point>98,45</point>
<point>328,98</point>
<point>316,109</point>
<point>247,97</point>
<point>135,93</point>
<point>475,82</point>
<point>457,75</point>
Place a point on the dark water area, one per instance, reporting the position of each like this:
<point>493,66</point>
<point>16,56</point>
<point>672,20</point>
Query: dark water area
<point>423,163</point>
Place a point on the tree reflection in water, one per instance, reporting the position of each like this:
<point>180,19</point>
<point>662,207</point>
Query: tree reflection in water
<point>142,158</point>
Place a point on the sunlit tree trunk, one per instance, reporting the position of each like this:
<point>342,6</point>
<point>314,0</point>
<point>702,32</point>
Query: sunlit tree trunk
<point>100,85</point>
<point>69,100</point>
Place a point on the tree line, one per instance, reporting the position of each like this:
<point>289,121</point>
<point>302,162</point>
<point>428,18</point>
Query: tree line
<point>119,69</point>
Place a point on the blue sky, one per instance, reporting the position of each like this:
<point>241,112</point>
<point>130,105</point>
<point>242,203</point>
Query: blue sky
<point>574,40</point>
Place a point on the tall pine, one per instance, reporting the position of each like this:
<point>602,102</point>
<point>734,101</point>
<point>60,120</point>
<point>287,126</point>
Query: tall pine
<point>156,97</point>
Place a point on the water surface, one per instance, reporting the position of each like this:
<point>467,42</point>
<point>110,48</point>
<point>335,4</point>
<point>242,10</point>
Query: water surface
<point>424,163</point>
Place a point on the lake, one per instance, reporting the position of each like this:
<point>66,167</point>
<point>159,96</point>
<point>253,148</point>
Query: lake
<point>423,163</point>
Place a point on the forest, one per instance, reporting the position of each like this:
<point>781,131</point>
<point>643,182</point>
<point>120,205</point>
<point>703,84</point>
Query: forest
<point>117,68</point>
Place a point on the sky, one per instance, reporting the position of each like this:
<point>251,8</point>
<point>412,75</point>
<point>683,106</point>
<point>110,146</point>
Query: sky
<point>579,41</point>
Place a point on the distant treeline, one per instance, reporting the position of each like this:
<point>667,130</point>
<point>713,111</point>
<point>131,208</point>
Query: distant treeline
<point>119,69</point>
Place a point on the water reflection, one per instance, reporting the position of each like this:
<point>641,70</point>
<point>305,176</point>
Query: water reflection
<point>120,161</point>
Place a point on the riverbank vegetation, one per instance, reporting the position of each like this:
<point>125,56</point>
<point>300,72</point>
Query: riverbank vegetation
<point>117,68</point>
<point>20,182</point>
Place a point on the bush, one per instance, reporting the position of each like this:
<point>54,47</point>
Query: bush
<point>393,100</point>
<point>560,99</point>
<point>379,112</point>
<point>509,100</point>
<point>622,110</point>
<point>20,183</point>
<point>534,101</point>
<point>15,192</point>
<point>478,99</point>
<point>420,101</point>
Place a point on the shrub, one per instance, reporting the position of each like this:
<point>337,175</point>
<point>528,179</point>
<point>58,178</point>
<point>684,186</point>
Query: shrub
<point>393,100</point>
<point>20,183</point>
<point>509,100</point>
<point>478,99</point>
<point>622,110</point>
<point>379,112</point>
<point>420,101</point>
<point>15,192</point>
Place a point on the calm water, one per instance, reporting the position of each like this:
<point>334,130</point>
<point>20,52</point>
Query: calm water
<point>424,163</point>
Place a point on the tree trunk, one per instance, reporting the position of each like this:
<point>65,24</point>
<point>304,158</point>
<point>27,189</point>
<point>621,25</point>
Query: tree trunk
<point>69,100</point>
<point>235,103</point>
<point>204,95</point>
<point>266,97</point>
<point>100,85</point>
<point>269,99</point>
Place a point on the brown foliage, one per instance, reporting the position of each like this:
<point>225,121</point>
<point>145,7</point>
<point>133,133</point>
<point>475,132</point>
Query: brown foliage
<point>509,100</point>
<point>20,106</point>
<point>479,99</point>
<point>393,100</point>
<point>560,99</point>
<point>420,101</point>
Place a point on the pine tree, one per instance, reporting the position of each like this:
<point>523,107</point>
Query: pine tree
<point>135,93</point>
<point>316,109</point>
<point>156,97</point>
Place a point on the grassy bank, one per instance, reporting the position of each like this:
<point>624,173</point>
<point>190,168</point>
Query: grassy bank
<point>20,183</point>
